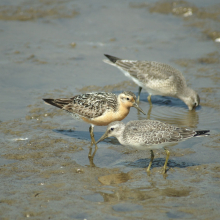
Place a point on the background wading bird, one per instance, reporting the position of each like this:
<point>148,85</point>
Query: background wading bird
<point>157,79</point>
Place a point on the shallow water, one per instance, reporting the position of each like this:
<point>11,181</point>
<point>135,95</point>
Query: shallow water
<point>55,49</point>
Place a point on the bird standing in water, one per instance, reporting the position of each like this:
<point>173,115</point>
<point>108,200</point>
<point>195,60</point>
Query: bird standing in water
<point>149,135</point>
<point>97,108</point>
<point>157,79</point>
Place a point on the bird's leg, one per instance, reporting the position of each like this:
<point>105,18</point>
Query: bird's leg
<point>139,93</point>
<point>91,156</point>
<point>90,151</point>
<point>149,112</point>
<point>149,99</point>
<point>151,161</point>
<point>92,135</point>
<point>166,161</point>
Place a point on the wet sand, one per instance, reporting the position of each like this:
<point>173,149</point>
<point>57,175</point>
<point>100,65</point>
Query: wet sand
<point>53,49</point>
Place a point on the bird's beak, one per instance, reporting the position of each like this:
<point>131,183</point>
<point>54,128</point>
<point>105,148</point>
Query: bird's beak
<point>138,108</point>
<point>103,137</point>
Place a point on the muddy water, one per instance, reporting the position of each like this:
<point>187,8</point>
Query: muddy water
<point>55,49</point>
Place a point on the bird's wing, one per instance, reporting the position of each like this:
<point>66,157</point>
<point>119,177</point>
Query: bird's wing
<point>91,105</point>
<point>148,132</point>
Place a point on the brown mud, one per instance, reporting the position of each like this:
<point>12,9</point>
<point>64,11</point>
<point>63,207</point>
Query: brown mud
<point>54,49</point>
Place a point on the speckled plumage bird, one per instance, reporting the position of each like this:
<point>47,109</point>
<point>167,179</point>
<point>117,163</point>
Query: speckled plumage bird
<point>157,78</point>
<point>149,134</point>
<point>97,108</point>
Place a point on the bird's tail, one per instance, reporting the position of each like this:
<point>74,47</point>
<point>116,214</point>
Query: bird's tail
<point>60,103</point>
<point>111,58</point>
<point>202,133</point>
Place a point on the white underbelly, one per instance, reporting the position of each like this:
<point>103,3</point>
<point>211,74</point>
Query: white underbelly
<point>132,78</point>
<point>158,91</point>
<point>149,147</point>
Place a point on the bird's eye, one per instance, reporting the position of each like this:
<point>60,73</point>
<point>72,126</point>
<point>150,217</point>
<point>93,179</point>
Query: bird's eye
<point>112,129</point>
<point>128,99</point>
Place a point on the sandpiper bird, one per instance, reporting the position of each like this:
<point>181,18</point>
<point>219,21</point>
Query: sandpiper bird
<point>157,79</point>
<point>97,108</point>
<point>150,135</point>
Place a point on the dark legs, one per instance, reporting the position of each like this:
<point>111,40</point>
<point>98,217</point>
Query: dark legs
<point>139,93</point>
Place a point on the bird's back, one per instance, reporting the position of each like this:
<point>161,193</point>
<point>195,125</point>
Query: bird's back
<point>151,132</point>
<point>157,78</point>
<point>89,105</point>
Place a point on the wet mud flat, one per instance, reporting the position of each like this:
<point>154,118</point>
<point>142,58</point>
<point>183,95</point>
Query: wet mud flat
<point>45,171</point>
